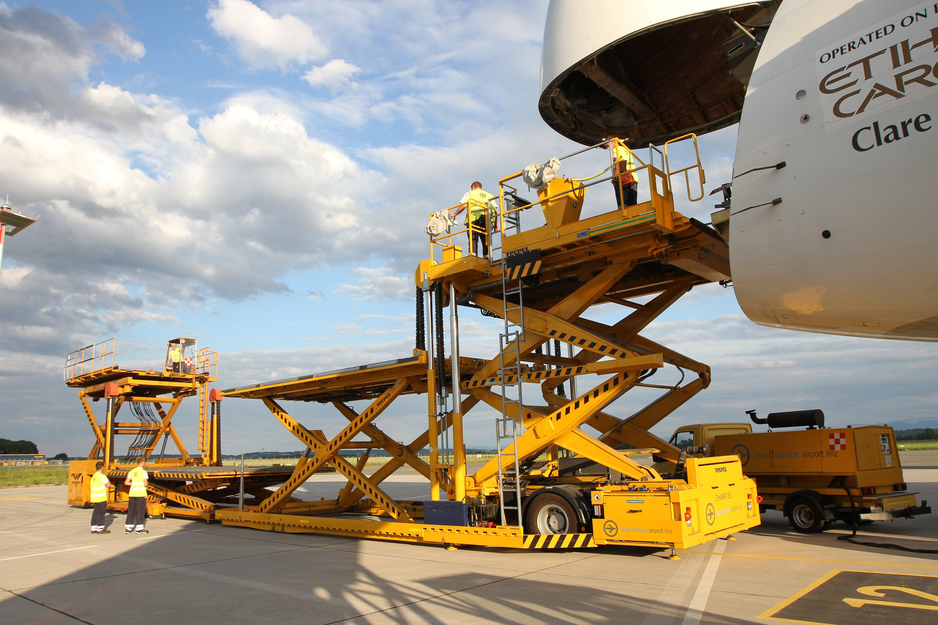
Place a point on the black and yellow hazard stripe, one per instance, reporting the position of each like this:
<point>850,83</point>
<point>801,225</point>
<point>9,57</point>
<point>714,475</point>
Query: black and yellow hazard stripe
<point>606,349</point>
<point>522,263</point>
<point>559,541</point>
<point>523,271</point>
<point>534,376</point>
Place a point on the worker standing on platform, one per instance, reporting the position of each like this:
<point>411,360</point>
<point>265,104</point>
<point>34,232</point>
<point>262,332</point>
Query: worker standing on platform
<point>137,502</point>
<point>477,201</point>
<point>624,181</point>
<point>175,356</point>
<point>99,484</point>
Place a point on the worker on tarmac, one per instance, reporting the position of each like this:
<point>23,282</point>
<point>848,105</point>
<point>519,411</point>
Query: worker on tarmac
<point>137,499</point>
<point>99,484</point>
<point>624,181</point>
<point>175,356</point>
<point>477,201</point>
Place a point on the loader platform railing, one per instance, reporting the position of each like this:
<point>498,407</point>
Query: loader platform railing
<point>655,212</point>
<point>90,359</point>
<point>446,247</point>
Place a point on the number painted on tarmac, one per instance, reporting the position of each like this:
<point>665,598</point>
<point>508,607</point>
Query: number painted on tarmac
<point>876,591</point>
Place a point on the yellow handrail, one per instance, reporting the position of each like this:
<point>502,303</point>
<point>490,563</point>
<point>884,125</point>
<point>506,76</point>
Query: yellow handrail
<point>701,177</point>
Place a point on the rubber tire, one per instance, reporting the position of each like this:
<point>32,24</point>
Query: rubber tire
<point>550,514</point>
<point>806,516</point>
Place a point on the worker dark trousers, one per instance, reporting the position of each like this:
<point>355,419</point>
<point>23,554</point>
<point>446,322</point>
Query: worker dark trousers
<point>97,517</point>
<point>479,244</point>
<point>631,194</point>
<point>136,513</point>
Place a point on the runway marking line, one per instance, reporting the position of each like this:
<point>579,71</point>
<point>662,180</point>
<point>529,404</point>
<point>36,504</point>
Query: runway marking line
<point>20,498</point>
<point>848,597</point>
<point>46,553</point>
<point>853,562</point>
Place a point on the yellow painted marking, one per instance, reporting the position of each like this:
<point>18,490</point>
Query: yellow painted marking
<point>855,562</point>
<point>875,591</point>
<point>866,590</point>
<point>20,498</point>
<point>798,595</point>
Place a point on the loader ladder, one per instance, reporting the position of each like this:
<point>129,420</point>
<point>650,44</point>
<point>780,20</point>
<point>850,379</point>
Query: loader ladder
<point>205,424</point>
<point>507,426</point>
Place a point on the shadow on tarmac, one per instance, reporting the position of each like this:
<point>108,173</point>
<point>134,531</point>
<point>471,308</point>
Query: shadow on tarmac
<point>199,572</point>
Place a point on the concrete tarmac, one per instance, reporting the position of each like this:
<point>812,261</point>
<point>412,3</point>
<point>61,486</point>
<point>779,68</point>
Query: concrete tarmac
<point>53,571</point>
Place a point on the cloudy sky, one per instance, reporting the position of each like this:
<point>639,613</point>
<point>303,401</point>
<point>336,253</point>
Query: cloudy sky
<point>258,175</point>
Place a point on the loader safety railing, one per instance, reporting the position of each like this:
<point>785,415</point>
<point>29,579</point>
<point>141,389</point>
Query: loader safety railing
<point>692,167</point>
<point>657,211</point>
<point>445,246</point>
<point>90,359</point>
<point>655,185</point>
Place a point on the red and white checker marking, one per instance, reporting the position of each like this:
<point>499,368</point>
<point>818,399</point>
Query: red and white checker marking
<point>188,362</point>
<point>837,442</point>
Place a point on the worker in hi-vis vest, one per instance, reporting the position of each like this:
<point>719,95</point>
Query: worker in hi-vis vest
<point>137,502</point>
<point>99,484</point>
<point>175,356</point>
<point>623,177</point>
<point>477,201</point>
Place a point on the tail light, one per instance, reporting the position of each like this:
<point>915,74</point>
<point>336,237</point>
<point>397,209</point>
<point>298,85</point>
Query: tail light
<point>687,516</point>
<point>868,490</point>
<point>900,486</point>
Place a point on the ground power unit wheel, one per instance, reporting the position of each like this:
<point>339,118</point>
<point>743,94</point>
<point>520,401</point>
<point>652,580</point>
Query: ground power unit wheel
<point>806,515</point>
<point>550,513</point>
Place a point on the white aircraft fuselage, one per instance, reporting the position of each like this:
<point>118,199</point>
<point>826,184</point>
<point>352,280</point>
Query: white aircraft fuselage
<point>843,92</point>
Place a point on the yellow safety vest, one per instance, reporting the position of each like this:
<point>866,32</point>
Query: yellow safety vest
<point>98,488</point>
<point>175,355</point>
<point>624,155</point>
<point>478,200</point>
<point>137,489</point>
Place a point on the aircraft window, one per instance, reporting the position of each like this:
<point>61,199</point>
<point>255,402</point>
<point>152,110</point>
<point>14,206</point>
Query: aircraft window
<point>683,440</point>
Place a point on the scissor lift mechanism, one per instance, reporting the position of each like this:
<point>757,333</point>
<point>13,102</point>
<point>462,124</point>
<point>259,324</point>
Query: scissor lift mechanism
<point>567,267</point>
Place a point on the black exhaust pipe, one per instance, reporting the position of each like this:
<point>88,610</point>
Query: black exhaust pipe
<point>793,419</point>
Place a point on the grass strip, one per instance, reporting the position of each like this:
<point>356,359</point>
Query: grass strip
<point>33,476</point>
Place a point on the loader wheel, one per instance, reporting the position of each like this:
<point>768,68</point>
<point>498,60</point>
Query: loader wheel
<point>806,516</point>
<point>550,514</point>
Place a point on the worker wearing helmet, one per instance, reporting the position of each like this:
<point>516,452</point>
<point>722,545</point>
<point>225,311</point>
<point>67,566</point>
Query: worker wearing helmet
<point>477,201</point>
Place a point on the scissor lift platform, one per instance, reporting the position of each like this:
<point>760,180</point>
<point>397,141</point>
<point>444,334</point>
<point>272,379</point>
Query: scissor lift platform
<point>541,282</point>
<point>186,485</point>
<point>352,383</point>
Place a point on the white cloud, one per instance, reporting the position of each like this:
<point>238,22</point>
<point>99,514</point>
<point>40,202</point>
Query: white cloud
<point>262,40</point>
<point>43,55</point>
<point>377,285</point>
<point>223,84</point>
<point>334,75</point>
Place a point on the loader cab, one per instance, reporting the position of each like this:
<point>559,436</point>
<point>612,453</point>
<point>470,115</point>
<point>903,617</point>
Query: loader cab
<point>181,356</point>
